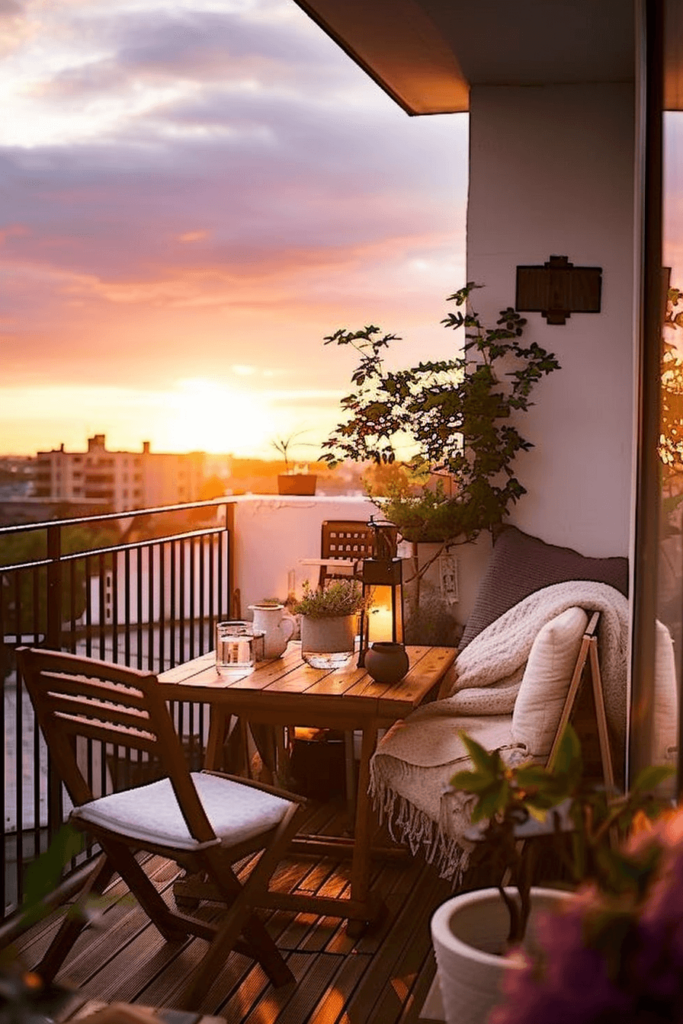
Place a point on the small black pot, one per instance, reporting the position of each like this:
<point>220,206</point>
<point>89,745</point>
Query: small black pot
<point>387,662</point>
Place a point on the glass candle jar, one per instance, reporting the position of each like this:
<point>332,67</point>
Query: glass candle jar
<point>238,646</point>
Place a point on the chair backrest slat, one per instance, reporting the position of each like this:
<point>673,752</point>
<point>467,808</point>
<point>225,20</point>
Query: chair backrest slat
<point>88,706</point>
<point>82,685</point>
<point>352,538</point>
<point>115,734</point>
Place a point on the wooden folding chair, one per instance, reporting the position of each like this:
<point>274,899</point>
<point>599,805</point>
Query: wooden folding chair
<point>204,821</point>
<point>585,707</point>
<point>351,539</point>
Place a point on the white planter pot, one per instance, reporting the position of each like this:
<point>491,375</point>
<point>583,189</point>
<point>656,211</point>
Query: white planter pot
<point>330,642</point>
<point>430,610</point>
<point>468,931</point>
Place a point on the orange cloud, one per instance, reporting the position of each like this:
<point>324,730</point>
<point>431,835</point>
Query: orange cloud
<point>193,236</point>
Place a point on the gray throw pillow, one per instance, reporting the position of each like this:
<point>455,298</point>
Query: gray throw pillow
<point>521,564</point>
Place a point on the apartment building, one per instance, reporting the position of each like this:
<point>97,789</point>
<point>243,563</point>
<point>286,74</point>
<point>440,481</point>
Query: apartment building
<point>122,480</point>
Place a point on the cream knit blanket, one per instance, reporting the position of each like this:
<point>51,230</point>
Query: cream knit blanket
<point>416,758</point>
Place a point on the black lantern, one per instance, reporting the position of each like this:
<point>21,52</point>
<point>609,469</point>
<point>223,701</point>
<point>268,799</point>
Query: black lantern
<point>382,615</point>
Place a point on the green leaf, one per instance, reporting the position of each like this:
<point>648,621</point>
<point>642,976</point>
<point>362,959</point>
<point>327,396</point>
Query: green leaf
<point>471,782</point>
<point>648,779</point>
<point>532,776</point>
<point>491,802</point>
<point>44,874</point>
<point>481,758</point>
<point>568,760</point>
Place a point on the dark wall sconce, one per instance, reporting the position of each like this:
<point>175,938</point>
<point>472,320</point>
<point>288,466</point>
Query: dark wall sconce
<point>557,289</point>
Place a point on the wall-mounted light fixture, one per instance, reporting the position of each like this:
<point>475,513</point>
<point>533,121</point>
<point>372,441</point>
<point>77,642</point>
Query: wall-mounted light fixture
<point>557,289</point>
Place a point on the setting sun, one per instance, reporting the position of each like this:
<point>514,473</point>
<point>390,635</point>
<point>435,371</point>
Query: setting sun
<point>191,215</point>
<point>201,415</point>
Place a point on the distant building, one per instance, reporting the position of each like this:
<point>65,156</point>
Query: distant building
<point>122,480</point>
<point>16,476</point>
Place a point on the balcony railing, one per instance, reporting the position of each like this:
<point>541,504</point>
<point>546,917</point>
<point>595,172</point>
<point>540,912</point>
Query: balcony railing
<point>142,588</point>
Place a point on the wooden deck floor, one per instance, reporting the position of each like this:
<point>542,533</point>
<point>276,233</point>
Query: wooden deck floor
<point>380,978</point>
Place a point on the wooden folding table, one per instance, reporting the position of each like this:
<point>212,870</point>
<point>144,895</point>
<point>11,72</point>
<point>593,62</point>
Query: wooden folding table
<point>287,691</point>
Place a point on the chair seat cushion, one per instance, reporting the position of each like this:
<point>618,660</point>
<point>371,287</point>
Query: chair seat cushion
<point>151,813</point>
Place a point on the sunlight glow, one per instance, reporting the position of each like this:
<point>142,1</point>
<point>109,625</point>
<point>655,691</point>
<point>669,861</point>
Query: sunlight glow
<point>196,415</point>
<point>204,416</point>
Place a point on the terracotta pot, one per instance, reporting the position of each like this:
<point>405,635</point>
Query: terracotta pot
<point>386,662</point>
<point>296,483</point>
<point>469,932</point>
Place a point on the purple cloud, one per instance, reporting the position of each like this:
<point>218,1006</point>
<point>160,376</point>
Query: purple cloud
<point>245,186</point>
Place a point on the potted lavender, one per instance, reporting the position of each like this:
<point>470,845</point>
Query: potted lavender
<point>329,622</point>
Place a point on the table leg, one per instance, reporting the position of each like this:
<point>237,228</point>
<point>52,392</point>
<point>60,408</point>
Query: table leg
<point>218,727</point>
<point>227,749</point>
<point>360,863</point>
<point>350,775</point>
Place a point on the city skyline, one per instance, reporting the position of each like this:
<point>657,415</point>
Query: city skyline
<point>197,193</point>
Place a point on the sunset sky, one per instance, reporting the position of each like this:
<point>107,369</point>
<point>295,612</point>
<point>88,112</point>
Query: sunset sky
<point>196,192</point>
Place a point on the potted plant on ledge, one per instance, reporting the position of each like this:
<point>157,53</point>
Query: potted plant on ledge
<point>295,479</point>
<point>484,936</point>
<point>451,422</point>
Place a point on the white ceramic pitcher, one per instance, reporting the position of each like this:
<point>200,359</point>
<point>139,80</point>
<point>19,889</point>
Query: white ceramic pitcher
<point>277,626</point>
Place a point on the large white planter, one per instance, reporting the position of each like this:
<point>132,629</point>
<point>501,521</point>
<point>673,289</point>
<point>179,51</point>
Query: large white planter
<point>328,642</point>
<point>468,933</point>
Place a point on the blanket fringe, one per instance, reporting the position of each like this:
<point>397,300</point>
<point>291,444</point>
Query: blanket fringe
<point>441,839</point>
<point>419,831</point>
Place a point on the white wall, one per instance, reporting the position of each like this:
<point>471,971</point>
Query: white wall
<point>551,173</point>
<point>273,534</point>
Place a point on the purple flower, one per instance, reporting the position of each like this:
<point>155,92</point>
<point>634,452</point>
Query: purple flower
<point>566,982</point>
<point>608,960</point>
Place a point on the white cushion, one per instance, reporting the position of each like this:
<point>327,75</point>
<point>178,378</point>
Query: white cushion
<point>151,813</point>
<point>546,680</point>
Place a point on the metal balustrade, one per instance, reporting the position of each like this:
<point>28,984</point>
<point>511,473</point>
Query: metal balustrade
<point>141,588</point>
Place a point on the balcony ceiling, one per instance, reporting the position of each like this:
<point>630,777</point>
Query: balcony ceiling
<point>427,53</point>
